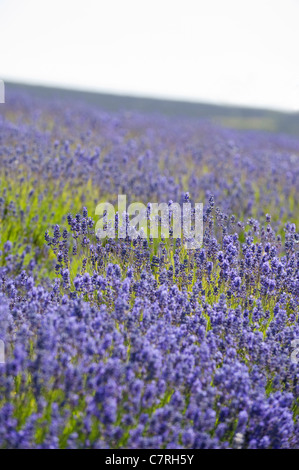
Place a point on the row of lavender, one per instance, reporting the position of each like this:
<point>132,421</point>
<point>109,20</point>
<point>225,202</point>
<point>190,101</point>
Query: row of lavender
<point>122,343</point>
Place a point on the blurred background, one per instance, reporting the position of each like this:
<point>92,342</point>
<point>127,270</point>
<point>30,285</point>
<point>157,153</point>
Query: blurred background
<point>233,60</point>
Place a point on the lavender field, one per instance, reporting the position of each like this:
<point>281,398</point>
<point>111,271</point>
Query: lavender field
<point>120,343</point>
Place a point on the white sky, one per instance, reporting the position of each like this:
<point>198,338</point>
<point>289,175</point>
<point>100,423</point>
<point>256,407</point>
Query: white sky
<point>222,51</point>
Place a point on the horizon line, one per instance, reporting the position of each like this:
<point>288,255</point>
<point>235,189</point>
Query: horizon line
<point>144,96</point>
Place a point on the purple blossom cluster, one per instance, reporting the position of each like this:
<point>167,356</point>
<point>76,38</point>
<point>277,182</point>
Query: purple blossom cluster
<point>148,157</point>
<point>142,343</point>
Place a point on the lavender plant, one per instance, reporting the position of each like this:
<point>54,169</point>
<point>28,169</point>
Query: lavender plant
<point>121,343</point>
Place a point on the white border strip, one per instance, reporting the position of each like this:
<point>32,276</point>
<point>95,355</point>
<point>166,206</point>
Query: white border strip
<point>2,92</point>
<point>2,352</point>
